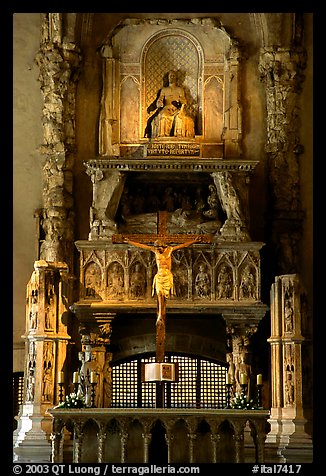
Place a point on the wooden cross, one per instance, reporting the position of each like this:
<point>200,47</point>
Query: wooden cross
<point>163,280</point>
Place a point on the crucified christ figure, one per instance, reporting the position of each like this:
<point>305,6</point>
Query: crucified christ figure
<point>162,283</point>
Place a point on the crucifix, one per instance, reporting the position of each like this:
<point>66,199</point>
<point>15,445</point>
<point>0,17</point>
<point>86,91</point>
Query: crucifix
<point>163,280</point>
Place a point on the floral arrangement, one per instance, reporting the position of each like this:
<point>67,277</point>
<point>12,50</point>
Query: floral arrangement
<point>73,401</point>
<point>240,401</point>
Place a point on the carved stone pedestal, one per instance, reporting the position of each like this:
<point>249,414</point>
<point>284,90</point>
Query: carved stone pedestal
<point>288,437</point>
<point>46,347</point>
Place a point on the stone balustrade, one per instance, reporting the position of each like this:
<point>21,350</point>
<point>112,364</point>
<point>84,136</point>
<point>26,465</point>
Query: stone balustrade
<point>144,435</point>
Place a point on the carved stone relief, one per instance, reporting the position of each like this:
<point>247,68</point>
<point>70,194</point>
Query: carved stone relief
<point>58,61</point>
<point>223,275</point>
<point>137,58</point>
<point>282,71</point>
<point>288,346</point>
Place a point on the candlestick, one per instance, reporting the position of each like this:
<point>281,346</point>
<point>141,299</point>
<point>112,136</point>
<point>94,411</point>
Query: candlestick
<point>60,384</point>
<point>243,379</point>
<point>93,377</point>
<point>259,388</point>
<point>93,385</point>
<point>228,391</point>
<point>75,377</point>
<point>61,377</point>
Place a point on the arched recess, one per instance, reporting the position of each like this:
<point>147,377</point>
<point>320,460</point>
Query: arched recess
<point>172,49</point>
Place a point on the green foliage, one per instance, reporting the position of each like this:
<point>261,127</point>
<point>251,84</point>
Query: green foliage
<point>73,401</point>
<point>242,402</point>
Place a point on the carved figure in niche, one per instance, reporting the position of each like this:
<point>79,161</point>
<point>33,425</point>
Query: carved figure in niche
<point>247,284</point>
<point>47,384</point>
<point>137,282</point>
<point>30,385</point>
<point>231,370</point>
<point>243,368</point>
<point>224,287</point>
<point>33,311</point>
<point>30,388</point>
<point>202,282</point>
<point>89,365</point>
<point>288,315</point>
<point>213,203</point>
<point>289,376</point>
<point>92,281</point>
<point>171,118</point>
<point>289,385</point>
<point>47,372</point>
<point>49,310</point>
<point>181,282</point>
<point>115,281</point>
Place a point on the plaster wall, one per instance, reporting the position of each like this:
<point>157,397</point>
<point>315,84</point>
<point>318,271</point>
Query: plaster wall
<point>27,183</point>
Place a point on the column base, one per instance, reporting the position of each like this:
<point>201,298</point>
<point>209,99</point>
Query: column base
<point>31,439</point>
<point>287,442</point>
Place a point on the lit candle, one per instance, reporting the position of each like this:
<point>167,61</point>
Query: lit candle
<point>75,377</point>
<point>60,377</point>
<point>228,379</point>
<point>259,379</point>
<point>93,377</point>
<point>243,379</point>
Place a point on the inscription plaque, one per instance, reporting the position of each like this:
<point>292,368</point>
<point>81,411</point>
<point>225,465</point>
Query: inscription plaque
<point>173,150</point>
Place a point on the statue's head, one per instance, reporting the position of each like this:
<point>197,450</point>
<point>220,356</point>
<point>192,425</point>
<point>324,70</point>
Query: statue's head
<point>172,76</point>
<point>159,243</point>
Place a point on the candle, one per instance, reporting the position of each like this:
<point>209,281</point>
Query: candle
<point>60,377</point>
<point>259,379</point>
<point>228,379</point>
<point>243,379</point>
<point>75,377</point>
<point>93,377</point>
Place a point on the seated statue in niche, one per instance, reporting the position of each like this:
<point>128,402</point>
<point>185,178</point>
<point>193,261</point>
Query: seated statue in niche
<point>171,117</point>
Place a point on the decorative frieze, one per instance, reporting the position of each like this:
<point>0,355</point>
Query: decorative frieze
<point>116,273</point>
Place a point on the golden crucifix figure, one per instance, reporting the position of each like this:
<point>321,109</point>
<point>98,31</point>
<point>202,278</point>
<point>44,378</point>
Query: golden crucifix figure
<point>163,280</point>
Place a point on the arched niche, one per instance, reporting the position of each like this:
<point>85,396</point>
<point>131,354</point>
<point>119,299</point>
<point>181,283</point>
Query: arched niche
<point>136,60</point>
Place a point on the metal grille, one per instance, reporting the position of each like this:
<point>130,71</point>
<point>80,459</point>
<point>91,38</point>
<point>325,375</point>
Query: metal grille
<point>212,384</point>
<point>201,384</point>
<point>125,380</point>
<point>148,390</point>
<point>184,392</point>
